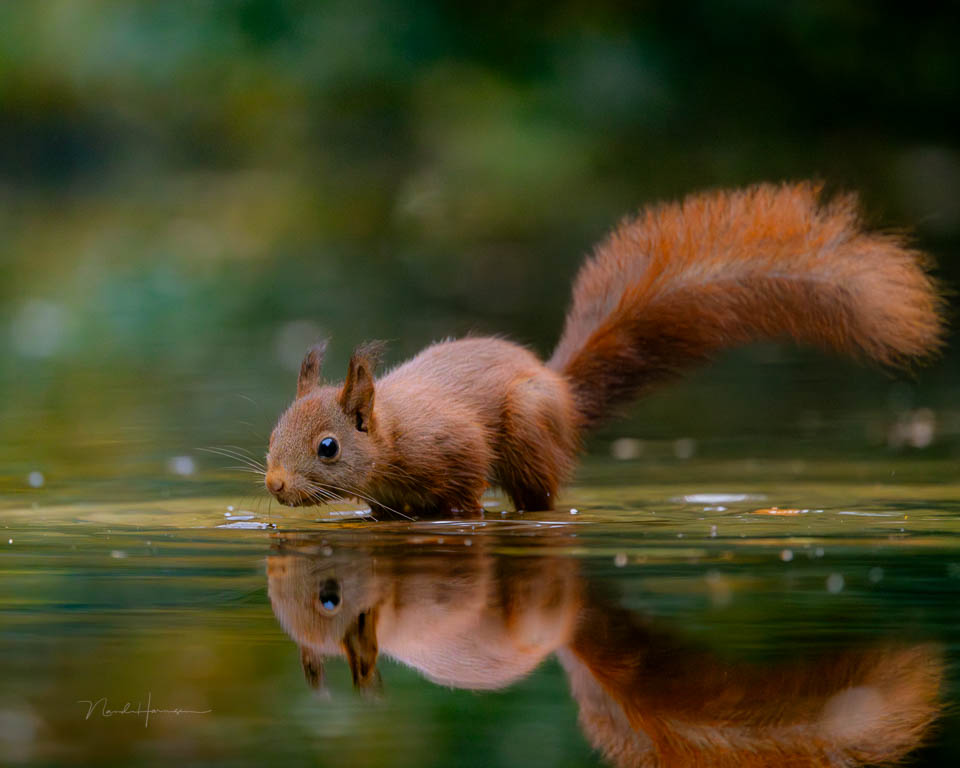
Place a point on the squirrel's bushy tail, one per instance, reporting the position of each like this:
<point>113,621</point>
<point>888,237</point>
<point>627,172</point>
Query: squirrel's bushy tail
<point>684,280</point>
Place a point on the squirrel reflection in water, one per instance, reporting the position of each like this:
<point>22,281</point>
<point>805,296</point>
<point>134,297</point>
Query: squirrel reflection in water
<point>646,698</point>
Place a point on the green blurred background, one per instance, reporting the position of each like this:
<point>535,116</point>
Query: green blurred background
<point>190,193</point>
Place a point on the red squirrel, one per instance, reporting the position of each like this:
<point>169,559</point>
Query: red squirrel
<point>647,695</point>
<point>666,290</point>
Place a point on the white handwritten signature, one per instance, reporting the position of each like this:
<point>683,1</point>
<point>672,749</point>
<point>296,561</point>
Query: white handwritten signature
<point>139,711</point>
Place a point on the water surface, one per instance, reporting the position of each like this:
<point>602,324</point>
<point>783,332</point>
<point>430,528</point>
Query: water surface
<point>698,614</point>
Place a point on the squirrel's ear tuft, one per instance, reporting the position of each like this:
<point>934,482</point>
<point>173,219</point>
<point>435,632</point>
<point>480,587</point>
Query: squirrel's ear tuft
<point>310,369</point>
<point>312,664</point>
<point>361,649</point>
<point>356,397</point>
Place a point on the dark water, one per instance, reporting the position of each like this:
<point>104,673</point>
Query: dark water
<point>695,616</point>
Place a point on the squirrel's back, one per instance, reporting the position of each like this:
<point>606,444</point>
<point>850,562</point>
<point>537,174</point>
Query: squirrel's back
<point>486,406</point>
<point>683,280</point>
<point>475,370</point>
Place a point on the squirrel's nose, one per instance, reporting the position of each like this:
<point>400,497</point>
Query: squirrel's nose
<point>274,482</point>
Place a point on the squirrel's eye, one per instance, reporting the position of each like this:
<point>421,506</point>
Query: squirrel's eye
<point>329,596</point>
<point>328,448</point>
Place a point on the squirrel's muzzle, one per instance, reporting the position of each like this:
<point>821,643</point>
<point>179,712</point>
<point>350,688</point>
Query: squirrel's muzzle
<point>275,482</point>
<point>284,488</point>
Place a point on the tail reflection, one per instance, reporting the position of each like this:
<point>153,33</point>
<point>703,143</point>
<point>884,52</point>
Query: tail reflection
<point>471,620</point>
<point>647,700</point>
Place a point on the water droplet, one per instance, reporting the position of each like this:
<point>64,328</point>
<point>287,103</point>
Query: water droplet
<point>835,583</point>
<point>39,328</point>
<point>719,498</point>
<point>626,448</point>
<point>247,525</point>
<point>181,465</point>
<point>684,448</point>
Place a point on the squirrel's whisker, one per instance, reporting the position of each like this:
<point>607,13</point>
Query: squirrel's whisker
<point>259,472</point>
<point>239,449</point>
<point>368,499</point>
<point>667,290</point>
<point>235,456</point>
<point>223,451</point>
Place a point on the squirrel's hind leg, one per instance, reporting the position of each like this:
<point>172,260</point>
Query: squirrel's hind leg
<point>529,499</point>
<point>538,440</point>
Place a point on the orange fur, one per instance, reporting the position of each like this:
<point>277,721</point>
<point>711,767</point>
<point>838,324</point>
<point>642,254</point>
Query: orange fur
<point>646,697</point>
<point>647,700</point>
<point>466,621</point>
<point>665,291</point>
<point>684,280</point>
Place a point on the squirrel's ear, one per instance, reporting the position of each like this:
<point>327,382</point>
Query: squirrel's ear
<point>356,397</point>
<point>310,369</point>
<point>312,664</point>
<point>360,647</point>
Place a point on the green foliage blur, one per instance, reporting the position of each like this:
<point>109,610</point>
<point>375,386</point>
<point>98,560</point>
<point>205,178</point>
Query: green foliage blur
<point>191,193</point>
